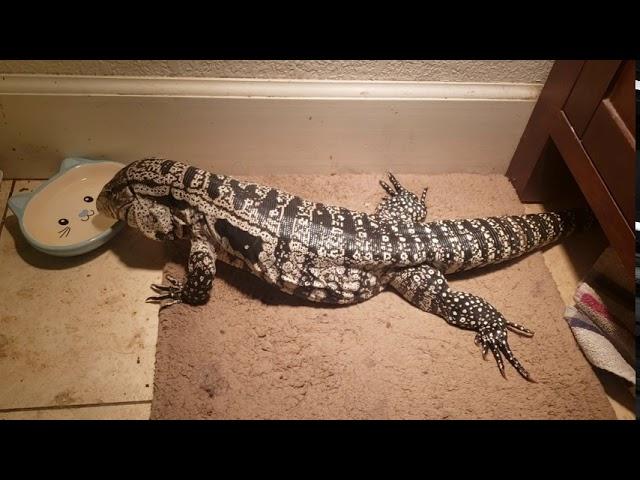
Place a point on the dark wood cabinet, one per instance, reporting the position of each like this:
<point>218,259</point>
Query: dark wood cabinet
<point>586,116</point>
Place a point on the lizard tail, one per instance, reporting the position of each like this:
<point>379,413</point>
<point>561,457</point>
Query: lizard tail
<point>574,220</point>
<point>473,243</point>
<point>542,229</point>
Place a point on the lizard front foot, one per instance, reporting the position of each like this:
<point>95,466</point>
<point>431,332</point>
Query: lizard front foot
<point>492,335</point>
<point>172,292</point>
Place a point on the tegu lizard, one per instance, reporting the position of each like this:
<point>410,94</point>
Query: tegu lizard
<point>326,253</point>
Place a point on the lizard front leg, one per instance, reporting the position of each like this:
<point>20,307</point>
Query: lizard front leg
<point>427,288</point>
<point>201,270</point>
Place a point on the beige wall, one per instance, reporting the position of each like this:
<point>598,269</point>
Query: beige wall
<point>511,71</point>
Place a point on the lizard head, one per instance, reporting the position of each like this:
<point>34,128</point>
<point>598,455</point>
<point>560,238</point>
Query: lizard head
<point>139,194</point>
<point>116,197</point>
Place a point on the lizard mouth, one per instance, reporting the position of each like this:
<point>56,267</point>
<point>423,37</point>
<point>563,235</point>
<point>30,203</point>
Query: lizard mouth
<point>126,209</point>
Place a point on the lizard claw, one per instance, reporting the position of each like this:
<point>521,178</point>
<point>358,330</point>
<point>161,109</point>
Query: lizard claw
<point>172,292</point>
<point>159,299</point>
<point>387,188</point>
<point>494,337</point>
<point>398,188</point>
<point>519,329</point>
<point>394,181</point>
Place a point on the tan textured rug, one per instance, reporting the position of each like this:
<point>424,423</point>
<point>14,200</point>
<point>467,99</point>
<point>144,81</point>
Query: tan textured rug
<point>253,352</point>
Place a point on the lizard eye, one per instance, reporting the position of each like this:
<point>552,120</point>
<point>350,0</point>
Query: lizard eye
<point>88,199</point>
<point>63,221</point>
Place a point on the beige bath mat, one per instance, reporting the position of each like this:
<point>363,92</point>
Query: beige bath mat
<point>253,352</point>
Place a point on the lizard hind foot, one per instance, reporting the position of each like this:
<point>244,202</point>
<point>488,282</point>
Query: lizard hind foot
<point>401,204</point>
<point>494,338</point>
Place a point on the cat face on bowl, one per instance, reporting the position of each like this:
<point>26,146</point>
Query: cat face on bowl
<point>84,215</point>
<point>66,214</point>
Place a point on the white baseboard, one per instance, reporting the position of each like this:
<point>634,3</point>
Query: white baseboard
<point>241,126</point>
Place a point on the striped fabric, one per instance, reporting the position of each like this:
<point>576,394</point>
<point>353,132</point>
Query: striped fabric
<point>595,307</point>
<point>596,346</point>
<point>603,318</point>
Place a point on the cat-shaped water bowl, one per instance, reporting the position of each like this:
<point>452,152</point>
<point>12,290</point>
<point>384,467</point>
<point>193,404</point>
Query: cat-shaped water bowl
<point>60,216</point>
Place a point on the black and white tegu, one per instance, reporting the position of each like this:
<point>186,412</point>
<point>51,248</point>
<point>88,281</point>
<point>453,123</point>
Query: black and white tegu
<point>326,253</point>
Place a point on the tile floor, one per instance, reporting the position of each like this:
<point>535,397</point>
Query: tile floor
<point>73,332</point>
<point>76,342</point>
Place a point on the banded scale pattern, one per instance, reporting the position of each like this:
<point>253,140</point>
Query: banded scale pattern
<point>460,245</point>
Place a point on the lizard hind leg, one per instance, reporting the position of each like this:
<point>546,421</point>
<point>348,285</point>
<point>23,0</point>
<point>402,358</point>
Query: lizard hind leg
<point>426,287</point>
<point>401,204</point>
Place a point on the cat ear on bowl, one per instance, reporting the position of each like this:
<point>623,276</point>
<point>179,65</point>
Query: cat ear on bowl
<point>18,202</point>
